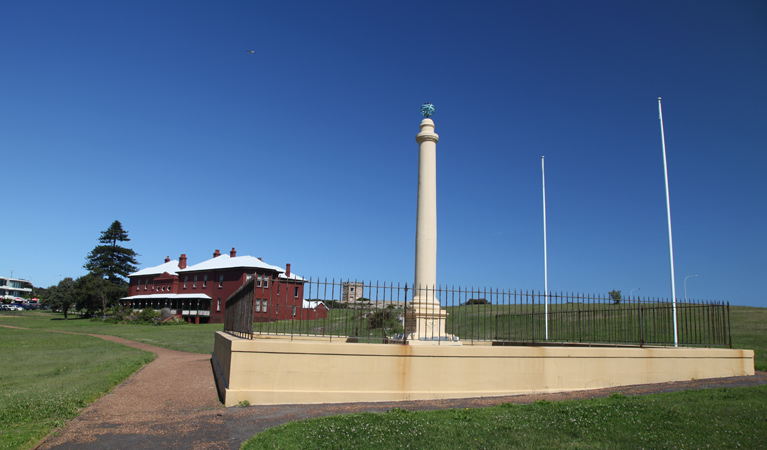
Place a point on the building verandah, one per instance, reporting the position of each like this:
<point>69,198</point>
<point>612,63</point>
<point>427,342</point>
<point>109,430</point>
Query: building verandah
<point>191,307</point>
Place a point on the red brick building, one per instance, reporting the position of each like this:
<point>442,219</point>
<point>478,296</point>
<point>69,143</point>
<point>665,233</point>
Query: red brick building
<point>198,293</point>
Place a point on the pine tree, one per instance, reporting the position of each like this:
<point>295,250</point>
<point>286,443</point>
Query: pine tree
<point>109,265</point>
<point>110,260</point>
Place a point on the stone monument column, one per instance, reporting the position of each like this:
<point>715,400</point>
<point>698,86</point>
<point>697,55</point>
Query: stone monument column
<point>425,319</point>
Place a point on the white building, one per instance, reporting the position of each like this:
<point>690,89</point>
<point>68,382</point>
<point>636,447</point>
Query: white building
<point>13,288</point>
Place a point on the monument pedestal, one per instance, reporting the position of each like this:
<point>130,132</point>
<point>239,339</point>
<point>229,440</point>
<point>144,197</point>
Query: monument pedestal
<point>425,324</point>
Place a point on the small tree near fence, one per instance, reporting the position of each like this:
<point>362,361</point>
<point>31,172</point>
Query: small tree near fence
<point>387,318</point>
<point>615,296</point>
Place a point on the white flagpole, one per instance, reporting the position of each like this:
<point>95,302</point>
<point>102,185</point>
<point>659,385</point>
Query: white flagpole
<point>545,252</point>
<point>668,213</point>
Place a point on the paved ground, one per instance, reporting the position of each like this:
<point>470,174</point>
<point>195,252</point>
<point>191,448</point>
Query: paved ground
<point>172,403</point>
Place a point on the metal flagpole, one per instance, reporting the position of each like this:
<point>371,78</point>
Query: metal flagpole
<point>545,252</point>
<point>668,213</point>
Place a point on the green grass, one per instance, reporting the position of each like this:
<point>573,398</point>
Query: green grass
<point>188,338</point>
<point>569,322</point>
<point>46,378</point>
<point>722,418</point>
<point>749,330</point>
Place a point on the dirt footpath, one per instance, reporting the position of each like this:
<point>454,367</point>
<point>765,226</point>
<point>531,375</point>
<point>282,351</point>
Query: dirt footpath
<point>172,403</point>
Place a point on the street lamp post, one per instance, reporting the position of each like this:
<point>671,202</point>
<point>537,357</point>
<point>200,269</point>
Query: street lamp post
<point>685,286</point>
<point>632,291</point>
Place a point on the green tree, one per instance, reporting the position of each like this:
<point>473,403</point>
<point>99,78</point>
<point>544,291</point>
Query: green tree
<point>615,295</point>
<point>108,265</point>
<point>60,296</point>
<point>39,292</point>
<point>386,319</point>
<point>95,294</point>
<point>110,260</point>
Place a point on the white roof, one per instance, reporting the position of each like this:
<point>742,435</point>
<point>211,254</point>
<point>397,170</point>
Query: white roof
<point>291,277</point>
<point>170,267</point>
<point>166,296</point>
<point>312,304</point>
<point>227,262</point>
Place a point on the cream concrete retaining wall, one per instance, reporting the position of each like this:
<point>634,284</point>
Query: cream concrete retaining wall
<point>267,371</point>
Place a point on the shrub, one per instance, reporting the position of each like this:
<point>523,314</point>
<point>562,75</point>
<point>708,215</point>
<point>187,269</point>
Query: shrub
<point>147,316</point>
<point>173,320</point>
<point>478,301</point>
<point>333,304</point>
<point>117,314</point>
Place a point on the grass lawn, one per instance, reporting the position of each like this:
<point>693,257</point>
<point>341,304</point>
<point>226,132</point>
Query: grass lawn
<point>723,418</point>
<point>46,378</point>
<point>186,337</point>
<point>716,419</point>
<point>749,330</point>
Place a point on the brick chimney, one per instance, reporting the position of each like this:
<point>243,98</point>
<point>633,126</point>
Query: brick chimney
<point>287,270</point>
<point>167,259</point>
<point>216,254</point>
<point>259,258</point>
<point>233,253</point>
<point>182,261</point>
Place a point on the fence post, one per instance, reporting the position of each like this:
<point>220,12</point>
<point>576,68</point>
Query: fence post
<point>641,325</point>
<point>729,330</point>
<point>579,320</point>
<point>532,305</point>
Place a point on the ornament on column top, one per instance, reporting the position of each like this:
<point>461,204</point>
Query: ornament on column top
<point>427,109</point>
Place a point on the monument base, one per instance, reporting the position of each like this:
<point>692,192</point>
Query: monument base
<point>425,324</point>
<point>276,370</point>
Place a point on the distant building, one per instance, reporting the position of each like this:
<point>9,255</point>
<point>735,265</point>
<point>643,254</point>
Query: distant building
<point>198,293</point>
<point>352,291</point>
<point>13,288</point>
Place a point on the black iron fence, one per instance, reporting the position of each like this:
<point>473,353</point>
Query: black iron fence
<point>375,312</point>
<point>239,308</point>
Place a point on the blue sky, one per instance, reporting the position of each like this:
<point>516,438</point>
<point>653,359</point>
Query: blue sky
<point>154,114</point>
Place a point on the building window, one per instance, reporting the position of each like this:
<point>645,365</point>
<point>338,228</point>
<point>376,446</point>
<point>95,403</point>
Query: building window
<point>186,278</point>
<point>266,281</point>
<point>295,292</point>
<point>263,305</point>
<point>257,305</point>
<point>259,281</point>
<point>194,283</point>
<point>138,285</point>
<point>218,304</point>
<point>205,280</point>
<point>146,283</point>
<point>294,311</point>
<point>220,281</point>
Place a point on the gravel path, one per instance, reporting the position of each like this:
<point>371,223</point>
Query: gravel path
<point>172,403</point>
